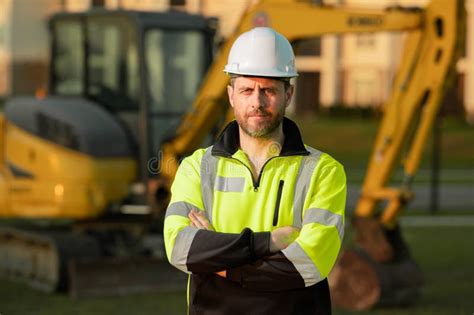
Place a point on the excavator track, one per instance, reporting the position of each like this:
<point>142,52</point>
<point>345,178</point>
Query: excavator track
<point>73,262</point>
<point>40,258</point>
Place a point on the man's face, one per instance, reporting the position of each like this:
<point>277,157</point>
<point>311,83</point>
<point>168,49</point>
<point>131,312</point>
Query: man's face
<point>259,104</point>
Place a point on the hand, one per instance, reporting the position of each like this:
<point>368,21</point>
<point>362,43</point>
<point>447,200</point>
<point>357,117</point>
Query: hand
<point>199,220</point>
<point>282,237</point>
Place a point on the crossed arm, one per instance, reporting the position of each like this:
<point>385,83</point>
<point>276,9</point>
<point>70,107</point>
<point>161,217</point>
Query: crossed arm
<point>270,270</point>
<point>283,259</point>
<point>280,238</point>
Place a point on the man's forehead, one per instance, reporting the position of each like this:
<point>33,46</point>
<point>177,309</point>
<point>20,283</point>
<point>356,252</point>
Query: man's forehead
<point>262,81</point>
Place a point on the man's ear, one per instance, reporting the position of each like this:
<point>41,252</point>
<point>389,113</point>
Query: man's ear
<point>230,92</point>
<point>289,94</point>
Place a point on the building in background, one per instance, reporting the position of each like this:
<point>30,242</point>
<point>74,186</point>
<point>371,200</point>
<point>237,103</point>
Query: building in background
<point>351,70</point>
<point>368,63</point>
<point>24,45</point>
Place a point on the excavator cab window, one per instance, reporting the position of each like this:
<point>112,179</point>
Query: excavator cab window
<point>67,69</point>
<point>175,60</point>
<point>96,57</point>
<point>112,63</point>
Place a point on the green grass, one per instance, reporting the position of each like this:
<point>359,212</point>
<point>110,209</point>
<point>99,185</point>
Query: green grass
<point>17,299</point>
<point>445,254</point>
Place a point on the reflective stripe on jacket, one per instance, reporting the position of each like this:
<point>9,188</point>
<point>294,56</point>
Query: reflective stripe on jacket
<point>301,187</point>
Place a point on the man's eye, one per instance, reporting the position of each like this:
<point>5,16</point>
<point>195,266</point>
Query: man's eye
<point>246,91</point>
<point>269,91</point>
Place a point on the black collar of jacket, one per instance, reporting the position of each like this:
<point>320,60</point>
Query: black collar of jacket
<point>228,141</point>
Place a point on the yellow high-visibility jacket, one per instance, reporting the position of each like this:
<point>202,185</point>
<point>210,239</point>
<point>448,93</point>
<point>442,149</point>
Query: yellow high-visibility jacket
<point>300,187</point>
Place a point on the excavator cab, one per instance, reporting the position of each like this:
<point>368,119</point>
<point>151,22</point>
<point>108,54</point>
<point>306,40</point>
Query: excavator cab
<point>145,68</point>
<point>120,82</point>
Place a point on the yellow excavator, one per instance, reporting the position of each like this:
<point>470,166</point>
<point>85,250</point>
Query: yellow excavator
<point>101,151</point>
<point>75,164</point>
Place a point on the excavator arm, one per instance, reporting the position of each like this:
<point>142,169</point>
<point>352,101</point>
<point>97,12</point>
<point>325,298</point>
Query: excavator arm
<point>369,275</point>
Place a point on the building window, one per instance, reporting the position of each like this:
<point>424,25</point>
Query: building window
<point>364,93</point>
<point>98,3</point>
<point>365,40</point>
<point>307,93</point>
<point>177,2</point>
<point>308,47</point>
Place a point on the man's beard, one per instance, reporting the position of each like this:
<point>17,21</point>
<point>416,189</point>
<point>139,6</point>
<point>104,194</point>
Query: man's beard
<point>265,129</point>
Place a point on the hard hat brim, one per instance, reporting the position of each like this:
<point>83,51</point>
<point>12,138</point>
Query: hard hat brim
<point>267,74</point>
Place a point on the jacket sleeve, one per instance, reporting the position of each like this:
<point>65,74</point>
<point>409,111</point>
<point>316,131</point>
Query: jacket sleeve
<point>311,257</point>
<point>201,251</point>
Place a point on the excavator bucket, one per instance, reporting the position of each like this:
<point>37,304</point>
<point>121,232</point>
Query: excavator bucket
<point>363,278</point>
<point>359,283</point>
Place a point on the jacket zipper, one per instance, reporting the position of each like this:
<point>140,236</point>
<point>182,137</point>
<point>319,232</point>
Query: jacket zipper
<point>277,204</point>
<point>256,183</point>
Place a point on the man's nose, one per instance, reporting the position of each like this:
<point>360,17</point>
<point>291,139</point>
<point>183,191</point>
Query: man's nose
<point>258,99</point>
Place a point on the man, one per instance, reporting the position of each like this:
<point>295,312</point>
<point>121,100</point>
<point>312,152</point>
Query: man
<point>257,219</point>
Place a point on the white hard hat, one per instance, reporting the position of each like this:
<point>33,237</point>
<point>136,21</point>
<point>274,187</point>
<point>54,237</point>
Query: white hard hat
<point>261,52</point>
